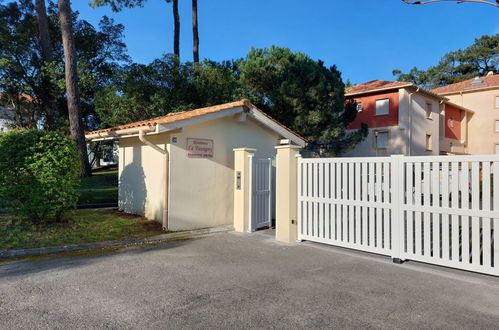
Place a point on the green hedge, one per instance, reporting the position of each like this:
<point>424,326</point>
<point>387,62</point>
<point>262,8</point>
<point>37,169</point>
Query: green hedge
<point>38,174</point>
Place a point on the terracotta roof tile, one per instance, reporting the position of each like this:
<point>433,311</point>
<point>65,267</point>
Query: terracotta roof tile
<point>184,115</point>
<point>375,85</point>
<point>177,116</point>
<point>466,85</point>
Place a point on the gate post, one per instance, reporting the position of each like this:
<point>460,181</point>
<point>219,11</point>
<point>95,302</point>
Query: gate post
<point>287,193</point>
<point>242,188</point>
<point>398,197</point>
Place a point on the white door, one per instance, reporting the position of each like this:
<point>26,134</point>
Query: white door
<point>261,196</point>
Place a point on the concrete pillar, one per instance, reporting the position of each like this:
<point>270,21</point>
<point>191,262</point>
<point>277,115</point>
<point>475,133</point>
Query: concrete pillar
<point>242,188</point>
<point>287,193</point>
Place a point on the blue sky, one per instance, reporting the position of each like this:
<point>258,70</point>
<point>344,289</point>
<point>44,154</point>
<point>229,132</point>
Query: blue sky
<point>366,39</point>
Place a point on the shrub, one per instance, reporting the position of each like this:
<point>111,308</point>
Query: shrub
<point>38,174</point>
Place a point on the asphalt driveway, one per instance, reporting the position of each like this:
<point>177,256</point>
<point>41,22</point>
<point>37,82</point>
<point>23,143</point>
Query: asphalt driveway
<point>231,280</point>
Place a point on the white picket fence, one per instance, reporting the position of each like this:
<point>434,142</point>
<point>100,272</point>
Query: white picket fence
<point>440,209</point>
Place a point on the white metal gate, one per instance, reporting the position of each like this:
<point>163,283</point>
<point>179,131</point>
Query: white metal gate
<point>441,209</point>
<point>261,193</point>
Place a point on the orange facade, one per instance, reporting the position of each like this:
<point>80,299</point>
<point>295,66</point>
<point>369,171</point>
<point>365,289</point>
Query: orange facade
<point>453,120</point>
<point>368,113</point>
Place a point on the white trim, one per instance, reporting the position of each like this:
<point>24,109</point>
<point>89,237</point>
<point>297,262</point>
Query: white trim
<point>258,115</point>
<point>179,124</point>
<point>162,128</point>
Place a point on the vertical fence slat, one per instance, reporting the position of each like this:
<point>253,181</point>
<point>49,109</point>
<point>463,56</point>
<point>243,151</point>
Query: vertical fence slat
<point>320,220</point>
<point>357,208</point>
<point>455,204</point>
<point>409,193</point>
<point>418,214</point>
<point>435,217</point>
<point>327,187</point>
<point>486,244</point>
<point>475,224</point>
<point>445,217</point>
<point>351,198</point>
<point>386,211</point>
<point>364,209</point>
<point>378,187</point>
<point>371,220</point>
<point>426,203</point>
<point>338,206</point>
<point>300,195</point>
<point>465,224</point>
<point>342,206</point>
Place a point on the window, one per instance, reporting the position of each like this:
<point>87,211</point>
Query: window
<point>359,106</point>
<point>450,123</point>
<point>497,101</point>
<point>380,139</point>
<point>497,149</point>
<point>497,125</point>
<point>382,107</point>
<point>429,142</point>
<point>429,110</point>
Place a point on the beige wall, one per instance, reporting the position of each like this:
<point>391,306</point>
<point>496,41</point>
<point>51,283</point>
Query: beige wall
<point>482,137</point>
<point>201,190</point>
<point>141,181</point>
<point>396,143</point>
<point>421,126</point>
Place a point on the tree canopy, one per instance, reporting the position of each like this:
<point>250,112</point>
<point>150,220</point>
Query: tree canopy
<point>476,60</point>
<point>100,50</point>
<point>298,91</point>
<point>291,87</point>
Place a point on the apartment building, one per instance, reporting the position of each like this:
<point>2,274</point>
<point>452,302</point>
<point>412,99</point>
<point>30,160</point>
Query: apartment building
<point>404,118</point>
<point>482,95</point>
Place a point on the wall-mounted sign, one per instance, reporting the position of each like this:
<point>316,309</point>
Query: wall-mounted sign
<point>199,148</point>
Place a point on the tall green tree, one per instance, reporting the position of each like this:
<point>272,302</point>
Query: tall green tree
<point>76,129</point>
<point>144,91</point>
<point>101,51</point>
<point>476,60</point>
<point>303,94</point>
<point>50,109</point>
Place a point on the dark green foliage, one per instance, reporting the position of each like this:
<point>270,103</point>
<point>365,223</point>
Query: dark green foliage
<point>100,51</point>
<point>144,91</point>
<point>38,174</point>
<point>476,60</point>
<point>301,93</point>
<point>118,5</point>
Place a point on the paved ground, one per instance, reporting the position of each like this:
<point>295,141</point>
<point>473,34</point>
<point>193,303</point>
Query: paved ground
<point>232,280</point>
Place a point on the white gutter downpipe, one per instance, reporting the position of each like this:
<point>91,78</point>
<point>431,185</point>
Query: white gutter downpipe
<point>143,139</point>
<point>410,120</point>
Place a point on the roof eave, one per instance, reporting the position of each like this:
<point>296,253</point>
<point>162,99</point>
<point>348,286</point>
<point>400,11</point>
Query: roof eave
<point>378,90</point>
<point>168,127</point>
<point>470,90</point>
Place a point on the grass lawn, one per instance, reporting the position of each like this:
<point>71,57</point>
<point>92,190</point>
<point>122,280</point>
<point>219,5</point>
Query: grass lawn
<point>81,226</point>
<point>101,187</point>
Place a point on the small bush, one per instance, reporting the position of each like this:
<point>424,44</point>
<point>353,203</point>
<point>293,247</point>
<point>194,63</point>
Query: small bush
<point>38,174</point>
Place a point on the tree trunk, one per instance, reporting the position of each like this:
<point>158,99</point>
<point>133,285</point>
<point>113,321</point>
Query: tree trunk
<point>195,33</point>
<point>176,30</point>
<point>43,30</point>
<point>49,108</point>
<point>71,75</point>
